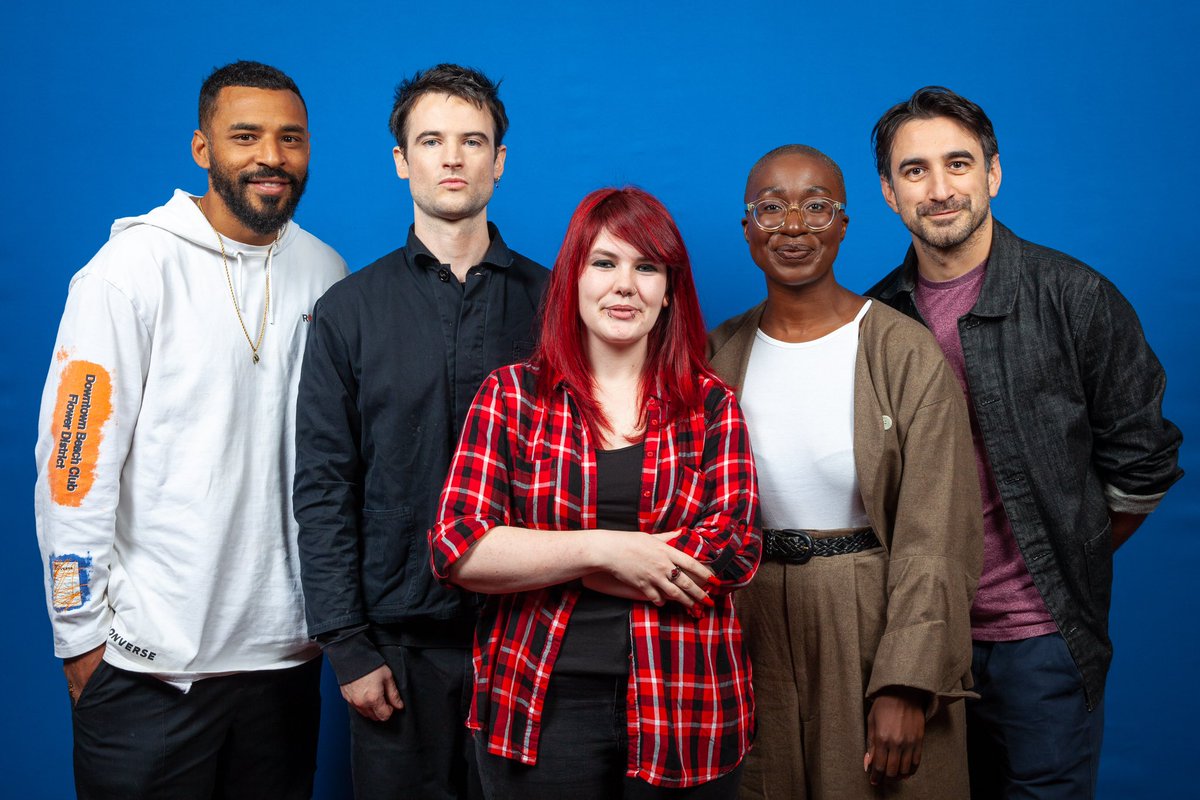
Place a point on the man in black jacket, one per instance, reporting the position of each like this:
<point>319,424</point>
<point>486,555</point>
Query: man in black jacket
<point>393,361</point>
<point>1071,446</point>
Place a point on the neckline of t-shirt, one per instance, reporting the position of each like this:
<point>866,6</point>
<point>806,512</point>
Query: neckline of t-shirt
<point>851,326</point>
<point>970,276</point>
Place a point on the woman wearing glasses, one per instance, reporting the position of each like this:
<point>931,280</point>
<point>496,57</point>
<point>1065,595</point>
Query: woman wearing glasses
<point>603,498</point>
<point>858,622</point>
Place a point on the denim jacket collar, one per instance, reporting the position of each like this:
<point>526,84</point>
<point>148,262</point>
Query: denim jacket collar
<point>998,295</point>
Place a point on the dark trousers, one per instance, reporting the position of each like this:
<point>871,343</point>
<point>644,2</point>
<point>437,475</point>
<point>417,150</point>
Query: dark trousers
<point>423,752</point>
<point>1030,735</point>
<point>582,752</point>
<point>250,735</point>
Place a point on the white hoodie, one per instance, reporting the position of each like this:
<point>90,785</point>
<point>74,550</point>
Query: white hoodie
<point>165,455</point>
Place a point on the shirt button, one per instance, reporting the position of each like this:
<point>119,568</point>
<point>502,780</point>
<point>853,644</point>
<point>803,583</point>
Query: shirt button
<point>649,453</point>
<point>645,493</point>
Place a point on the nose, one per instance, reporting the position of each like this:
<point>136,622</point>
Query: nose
<point>452,154</point>
<point>793,221</point>
<point>938,186</point>
<point>623,283</point>
<point>270,153</point>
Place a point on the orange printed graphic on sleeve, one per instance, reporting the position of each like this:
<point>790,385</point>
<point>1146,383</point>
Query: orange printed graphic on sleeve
<point>84,404</point>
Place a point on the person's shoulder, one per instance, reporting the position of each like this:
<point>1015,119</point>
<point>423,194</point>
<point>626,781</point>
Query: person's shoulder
<point>1046,265</point>
<point>526,271</point>
<point>721,334</point>
<point>527,264</point>
<point>317,254</point>
<point>716,393</point>
<point>363,285</point>
<point>135,261</point>
<point>514,383</point>
<point>899,340</point>
<point>887,285</point>
<point>895,324</point>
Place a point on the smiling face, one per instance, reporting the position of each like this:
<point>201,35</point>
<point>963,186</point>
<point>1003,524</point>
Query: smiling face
<point>450,160</point>
<point>940,184</point>
<point>621,295</point>
<point>794,255</point>
<point>256,149</point>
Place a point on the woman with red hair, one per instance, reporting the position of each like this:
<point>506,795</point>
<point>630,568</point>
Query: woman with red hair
<point>603,498</point>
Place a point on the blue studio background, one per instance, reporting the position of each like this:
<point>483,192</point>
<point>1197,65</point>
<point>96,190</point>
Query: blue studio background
<point>1095,105</point>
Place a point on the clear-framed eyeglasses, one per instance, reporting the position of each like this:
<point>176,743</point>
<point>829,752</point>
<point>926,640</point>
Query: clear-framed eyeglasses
<point>817,213</point>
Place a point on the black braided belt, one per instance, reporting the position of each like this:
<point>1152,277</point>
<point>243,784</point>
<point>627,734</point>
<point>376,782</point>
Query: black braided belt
<point>797,547</point>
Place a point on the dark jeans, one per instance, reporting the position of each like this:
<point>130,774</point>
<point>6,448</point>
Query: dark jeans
<point>1030,735</point>
<point>582,752</point>
<point>251,735</point>
<point>423,752</point>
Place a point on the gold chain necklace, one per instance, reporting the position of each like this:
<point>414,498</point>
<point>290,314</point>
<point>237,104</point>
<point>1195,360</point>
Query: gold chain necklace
<point>262,329</point>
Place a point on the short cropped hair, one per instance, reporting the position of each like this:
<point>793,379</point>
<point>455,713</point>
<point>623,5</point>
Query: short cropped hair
<point>461,82</point>
<point>799,150</point>
<point>242,73</point>
<point>927,103</point>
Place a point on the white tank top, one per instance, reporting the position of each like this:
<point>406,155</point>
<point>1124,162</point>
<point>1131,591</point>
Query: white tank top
<point>798,399</point>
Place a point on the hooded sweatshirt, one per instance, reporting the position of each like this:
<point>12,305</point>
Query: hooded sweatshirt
<point>165,454</point>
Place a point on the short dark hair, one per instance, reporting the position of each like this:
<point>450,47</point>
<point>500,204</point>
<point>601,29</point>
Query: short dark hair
<point>242,73</point>
<point>462,82</point>
<point>927,103</point>
<point>800,150</point>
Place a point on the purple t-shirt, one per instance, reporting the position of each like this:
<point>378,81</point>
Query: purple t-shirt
<point>1007,606</point>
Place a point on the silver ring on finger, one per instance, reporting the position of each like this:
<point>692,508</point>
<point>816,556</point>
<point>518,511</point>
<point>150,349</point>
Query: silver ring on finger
<point>673,575</point>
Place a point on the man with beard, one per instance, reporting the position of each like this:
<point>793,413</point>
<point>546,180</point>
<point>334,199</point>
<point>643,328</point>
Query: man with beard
<point>1071,447</point>
<point>165,455</point>
<point>397,353</point>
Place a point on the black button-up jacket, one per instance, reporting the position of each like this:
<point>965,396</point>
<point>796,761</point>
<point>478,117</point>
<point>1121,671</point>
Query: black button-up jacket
<point>1068,396</point>
<point>395,354</point>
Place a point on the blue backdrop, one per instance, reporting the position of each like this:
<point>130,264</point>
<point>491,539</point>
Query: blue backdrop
<point>1095,105</point>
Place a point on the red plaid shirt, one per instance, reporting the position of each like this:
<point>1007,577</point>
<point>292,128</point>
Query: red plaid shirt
<point>530,464</point>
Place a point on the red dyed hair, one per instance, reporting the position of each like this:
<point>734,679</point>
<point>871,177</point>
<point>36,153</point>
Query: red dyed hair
<point>675,355</point>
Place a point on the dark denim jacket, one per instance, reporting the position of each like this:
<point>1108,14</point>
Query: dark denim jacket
<point>1069,400</point>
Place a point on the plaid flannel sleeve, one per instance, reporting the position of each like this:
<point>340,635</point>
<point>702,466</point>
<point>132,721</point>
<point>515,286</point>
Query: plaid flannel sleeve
<point>475,497</point>
<point>725,534</point>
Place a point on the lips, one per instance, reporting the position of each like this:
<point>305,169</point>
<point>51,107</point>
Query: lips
<point>272,186</point>
<point>621,312</point>
<point>452,183</point>
<point>269,182</point>
<point>794,251</point>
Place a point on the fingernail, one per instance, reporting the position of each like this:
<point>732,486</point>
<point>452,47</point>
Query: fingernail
<point>708,601</point>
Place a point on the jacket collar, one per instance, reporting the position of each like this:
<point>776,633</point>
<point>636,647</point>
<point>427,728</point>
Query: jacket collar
<point>497,254</point>
<point>732,357</point>
<point>998,294</point>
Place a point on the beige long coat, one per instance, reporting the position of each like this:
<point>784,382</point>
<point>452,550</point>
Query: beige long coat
<point>910,601</point>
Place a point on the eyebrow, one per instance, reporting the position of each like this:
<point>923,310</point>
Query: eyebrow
<point>779,190</point>
<point>254,127</point>
<point>466,135</point>
<point>966,155</point>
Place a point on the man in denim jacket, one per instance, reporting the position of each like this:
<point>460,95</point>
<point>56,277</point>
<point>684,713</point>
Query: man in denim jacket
<point>1071,446</point>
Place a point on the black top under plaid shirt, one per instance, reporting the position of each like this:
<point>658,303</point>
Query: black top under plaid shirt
<point>529,463</point>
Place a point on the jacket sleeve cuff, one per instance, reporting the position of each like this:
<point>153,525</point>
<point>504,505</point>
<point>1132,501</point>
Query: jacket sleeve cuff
<point>918,657</point>
<point>1124,503</point>
<point>351,653</point>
